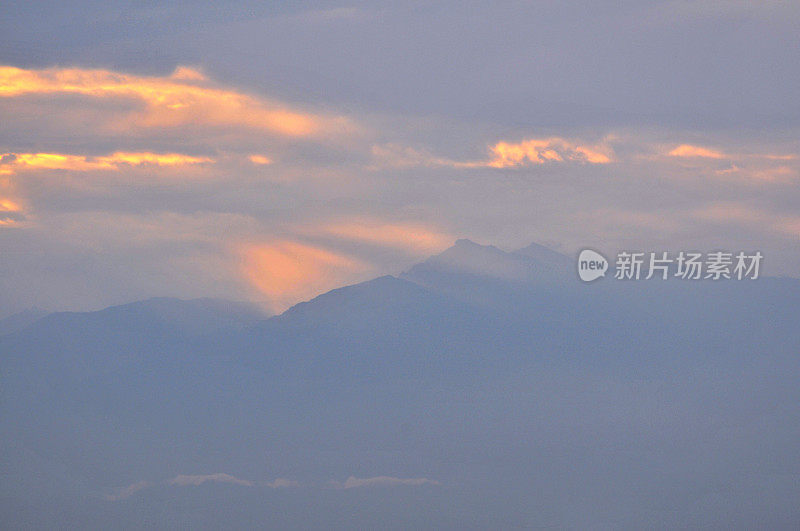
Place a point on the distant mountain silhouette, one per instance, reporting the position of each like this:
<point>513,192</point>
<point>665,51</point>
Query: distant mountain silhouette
<point>534,265</point>
<point>516,395</point>
<point>544,256</point>
<point>20,320</point>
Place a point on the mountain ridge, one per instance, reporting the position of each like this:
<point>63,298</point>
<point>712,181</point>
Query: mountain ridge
<point>500,391</point>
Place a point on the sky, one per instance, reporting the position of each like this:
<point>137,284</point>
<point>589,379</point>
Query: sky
<point>273,151</point>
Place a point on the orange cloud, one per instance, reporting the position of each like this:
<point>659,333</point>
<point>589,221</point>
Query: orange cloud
<point>9,212</point>
<point>7,205</point>
<point>288,272</point>
<point>13,162</point>
<point>260,160</point>
<point>411,236</point>
<point>688,150</point>
<point>185,97</point>
<point>503,154</point>
<point>540,151</point>
<point>747,167</point>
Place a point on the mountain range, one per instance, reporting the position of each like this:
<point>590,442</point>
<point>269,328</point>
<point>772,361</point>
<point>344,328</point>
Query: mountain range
<point>484,388</point>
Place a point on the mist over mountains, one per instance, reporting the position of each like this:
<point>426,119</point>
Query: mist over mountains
<point>483,388</point>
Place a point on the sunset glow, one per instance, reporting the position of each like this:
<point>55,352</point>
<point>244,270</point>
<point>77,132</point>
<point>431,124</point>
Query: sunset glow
<point>186,97</point>
<point>287,272</point>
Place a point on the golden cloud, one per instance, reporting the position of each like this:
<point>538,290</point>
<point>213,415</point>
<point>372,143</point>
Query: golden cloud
<point>185,97</point>
<point>10,211</point>
<point>260,160</point>
<point>540,151</point>
<point>7,205</point>
<point>688,150</point>
<point>13,162</point>
<point>503,154</point>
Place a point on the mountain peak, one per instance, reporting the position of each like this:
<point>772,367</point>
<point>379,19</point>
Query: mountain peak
<point>470,258</point>
<point>465,242</point>
<point>545,256</point>
<point>466,259</point>
<point>465,250</point>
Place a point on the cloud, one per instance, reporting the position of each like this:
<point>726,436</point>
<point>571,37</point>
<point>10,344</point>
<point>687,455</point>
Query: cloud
<point>558,150</point>
<point>7,205</point>
<point>331,212</point>
<point>10,212</point>
<point>195,480</point>
<point>740,214</point>
<point>398,156</point>
<point>762,173</point>
<point>15,162</point>
<point>183,480</point>
<point>378,481</point>
<point>747,166</point>
<point>126,492</point>
<point>260,160</point>
<point>502,154</point>
<point>185,97</point>
<point>541,151</point>
<point>282,483</point>
<point>415,237</point>
<point>688,150</point>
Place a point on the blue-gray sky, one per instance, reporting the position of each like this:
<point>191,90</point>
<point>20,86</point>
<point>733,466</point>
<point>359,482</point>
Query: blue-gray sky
<point>273,151</point>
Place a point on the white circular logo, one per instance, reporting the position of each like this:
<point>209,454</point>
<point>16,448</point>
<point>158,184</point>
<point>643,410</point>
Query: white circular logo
<point>591,265</point>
